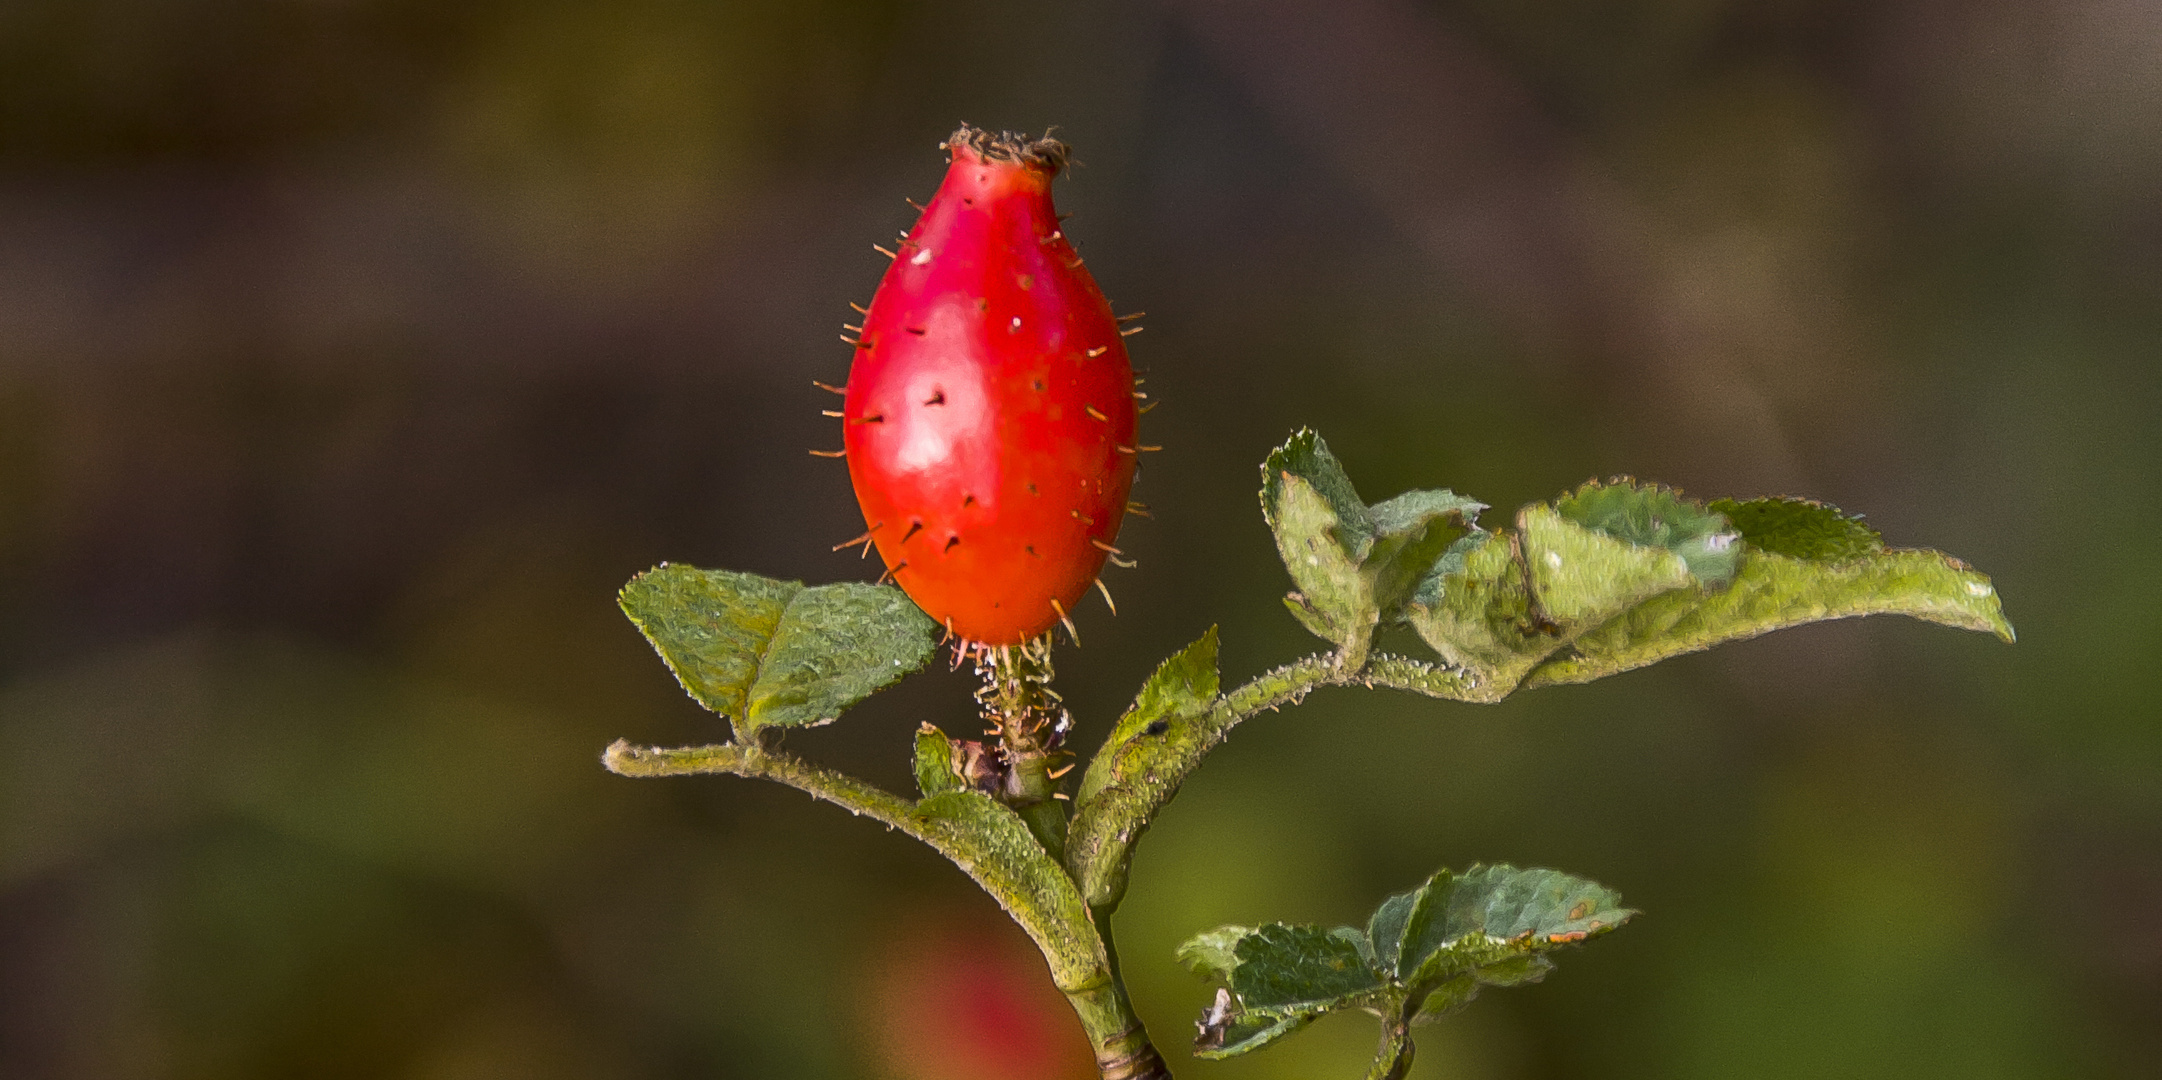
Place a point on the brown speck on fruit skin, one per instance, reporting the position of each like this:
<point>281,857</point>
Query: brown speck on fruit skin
<point>912,531</point>
<point>950,542</point>
<point>938,397</point>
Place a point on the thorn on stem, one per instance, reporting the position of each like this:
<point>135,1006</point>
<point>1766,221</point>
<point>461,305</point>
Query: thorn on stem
<point>1106,590</point>
<point>883,251</point>
<point>829,388</point>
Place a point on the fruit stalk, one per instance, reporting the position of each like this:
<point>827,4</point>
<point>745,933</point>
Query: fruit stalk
<point>1030,723</point>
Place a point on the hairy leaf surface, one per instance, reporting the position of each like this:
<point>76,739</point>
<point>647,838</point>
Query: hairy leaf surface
<point>1426,950</point>
<point>768,653</point>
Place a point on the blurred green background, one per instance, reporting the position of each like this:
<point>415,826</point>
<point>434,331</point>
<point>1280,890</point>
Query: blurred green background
<point>353,352</point>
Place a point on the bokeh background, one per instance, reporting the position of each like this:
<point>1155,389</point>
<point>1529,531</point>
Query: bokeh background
<point>353,352</point>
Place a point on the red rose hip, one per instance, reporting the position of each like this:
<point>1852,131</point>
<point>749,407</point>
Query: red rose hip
<point>989,420</point>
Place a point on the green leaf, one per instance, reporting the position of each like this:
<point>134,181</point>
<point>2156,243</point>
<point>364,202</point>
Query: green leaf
<point>1283,970</point>
<point>1494,916</point>
<point>934,763</point>
<point>992,844</point>
<point>1139,767</point>
<point>1213,953</point>
<point>1801,529</point>
<point>1581,577</point>
<point>768,653</point>
<point>1652,515</point>
<point>1426,951</point>
<point>1354,565</point>
<point>1247,1034</point>
<point>1497,605</point>
<point>1772,592</point>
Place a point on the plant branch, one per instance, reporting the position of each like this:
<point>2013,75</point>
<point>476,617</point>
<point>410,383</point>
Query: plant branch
<point>982,836</point>
<point>1140,768</point>
<point>858,797</point>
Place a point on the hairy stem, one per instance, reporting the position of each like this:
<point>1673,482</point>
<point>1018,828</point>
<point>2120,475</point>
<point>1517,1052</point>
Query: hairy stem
<point>1032,888</point>
<point>858,797</point>
<point>1138,771</point>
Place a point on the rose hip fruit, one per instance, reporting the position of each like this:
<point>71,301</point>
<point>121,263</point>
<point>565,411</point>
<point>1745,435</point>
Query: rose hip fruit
<point>989,414</point>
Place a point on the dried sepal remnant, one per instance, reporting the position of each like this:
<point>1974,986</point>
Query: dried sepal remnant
<point>1040,152</point>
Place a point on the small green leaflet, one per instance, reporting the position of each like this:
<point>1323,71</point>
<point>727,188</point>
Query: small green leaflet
<point>1149,752</point>
<point>1424,952</point>
<point>1354,564</point>
<point>933,763</point>
<point>768,653</point>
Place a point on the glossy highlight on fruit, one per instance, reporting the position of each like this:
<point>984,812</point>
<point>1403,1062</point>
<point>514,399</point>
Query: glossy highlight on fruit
<point>989,414</point>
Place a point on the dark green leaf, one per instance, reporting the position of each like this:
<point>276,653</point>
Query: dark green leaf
<point>1290,969</point>
<point>1306,458</point>
<point>1424,952</point>
<point>768,653</point>
<point>1801,529</point>
<point>934,763</point>
<point>1494,915</point>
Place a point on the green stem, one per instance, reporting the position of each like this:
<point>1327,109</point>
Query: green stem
<point>1121,1044</point>
<point>856,796</point>
<point>1028,886</point>
<point>1392,1059</point>
<point>1137,773</point>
